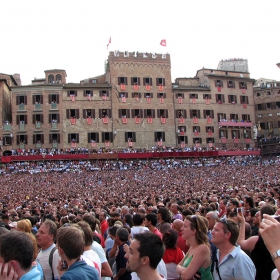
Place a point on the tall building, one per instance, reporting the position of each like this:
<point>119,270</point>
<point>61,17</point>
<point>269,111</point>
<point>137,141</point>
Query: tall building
<point>267,104</point>
<point>6,82</point>
<point>135,104</point>
<point>215,108</point>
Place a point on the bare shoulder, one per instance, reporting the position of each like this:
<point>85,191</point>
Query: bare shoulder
<point>202,249</point>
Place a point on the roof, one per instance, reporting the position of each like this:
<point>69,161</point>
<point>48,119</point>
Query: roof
<point>5,81</point>
<point>51,70</point>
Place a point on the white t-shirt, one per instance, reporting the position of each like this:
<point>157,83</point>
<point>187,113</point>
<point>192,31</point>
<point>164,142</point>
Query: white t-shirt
<point>93,257</point>
<point>161,269</point>
<point>97,248</point>
<point>43,260</point>
<point>137,229</point>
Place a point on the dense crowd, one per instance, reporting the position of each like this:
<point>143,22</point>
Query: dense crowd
<point>127,193</point>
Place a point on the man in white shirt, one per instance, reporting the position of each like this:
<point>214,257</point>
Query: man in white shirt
<point>144,254</point>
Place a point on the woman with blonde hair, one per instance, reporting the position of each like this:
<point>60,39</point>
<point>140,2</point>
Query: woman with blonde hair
<point>198,259</point>
<point>24,225</point>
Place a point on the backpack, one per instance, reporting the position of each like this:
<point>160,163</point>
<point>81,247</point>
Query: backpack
<point>51,259</point>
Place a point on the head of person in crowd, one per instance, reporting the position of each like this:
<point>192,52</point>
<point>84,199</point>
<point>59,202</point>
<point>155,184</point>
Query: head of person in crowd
<point>138,219</point>
<point>16,251</point>
<point>150,219</point>
<point>112,231</point>
<point>63,220</point>
<point>91,220</point>
<point>270,200</point>
<point>128,218</point>
<point>145,253</point>
<point>102,215</point>
<point>248,202</point>
<point>122,236</point>
<point>177,225</point>
<point>163,215</point>
<point>24,225</point>
<point>268,209</point>
<point>223,204</point>
<point>46,234</point>
<point>251,214</point>
<point>175,208</point>
<point>212,217</point>
<point>88,234</point>
<point>169,238</point>
<point>225,232</point>
<point>186,212</point>
<point>125,210</point>
<point>199,228</point>
<point>233,204</point>
<point>70,243</point>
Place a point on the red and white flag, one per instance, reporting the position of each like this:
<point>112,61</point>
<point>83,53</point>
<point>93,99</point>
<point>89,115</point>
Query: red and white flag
<point>109,43</point>
<point>163,42</point>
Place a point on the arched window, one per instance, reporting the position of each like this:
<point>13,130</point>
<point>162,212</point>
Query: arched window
<point>58,78</point>
<point>50,79</point>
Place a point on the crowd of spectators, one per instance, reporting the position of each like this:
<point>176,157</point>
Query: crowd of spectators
<point>120,193</point>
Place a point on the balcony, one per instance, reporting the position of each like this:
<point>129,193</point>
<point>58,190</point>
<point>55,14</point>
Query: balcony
<point>21,146</point>
<point>38,125</point>
<point>163,120</point>
<point>21,106</point>
<point>105,120</point>
<point>54,125</point>
<point>54,144</point>
<point>38,106</point>
<point>181,120</point>
<point>53,106</point>
<point>137,120</point>
<point>21,126</point>
<point>235,124</point>
<point>150,120</point>
<point>7,127</point>
<point>223,140</point>
<point>124,120</point>
<point>89,120</point>
<point>38,145</point>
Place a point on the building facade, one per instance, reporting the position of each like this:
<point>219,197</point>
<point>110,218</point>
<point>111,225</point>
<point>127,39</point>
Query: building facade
<point>135,104</point>
<point>267,109</point>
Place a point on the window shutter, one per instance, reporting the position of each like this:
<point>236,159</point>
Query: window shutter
<point>84,113</point>
<point>153,113</point>
<point>163,136</point>
<point>158,113</point>
<point>33,99</point>
<point>110,113</point>
<point>155,136</point>
<point>163,81</point>
<point>42,138</point>
<point>125,80</point>
<point>133,113</point>
<point>127,113</point>
<point>77,113</point>
<point>157,81</point>
<point>133,136</point>
<point>125,136</point>
<point>119,82</point>
<point>67,113</point>
<point>50,99</point>
<point>151,81</point>
<point>34,138</point>
<point>111,136</point>
<point>50,138</point>
<point>58,138</point>
<point>25,100</point>
<point>77,137</point>
<point>97,137</point>
<point>17,100</point>
<point>69,138</point>
<point>166,113</point>
<point>25,119</point>
<point>103,137</point>
<point>34,118</point>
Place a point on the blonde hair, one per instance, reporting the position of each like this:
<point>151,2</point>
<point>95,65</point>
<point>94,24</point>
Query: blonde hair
<point>24,225</point>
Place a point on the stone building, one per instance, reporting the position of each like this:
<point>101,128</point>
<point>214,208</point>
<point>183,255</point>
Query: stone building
<point>134,104</point>
<point>267,110</point>
<point>215,108</point>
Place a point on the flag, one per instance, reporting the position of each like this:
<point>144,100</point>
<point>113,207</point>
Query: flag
<point>109,42</point>
<point>163,42</point>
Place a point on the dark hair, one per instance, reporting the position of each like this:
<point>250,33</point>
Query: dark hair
<point>138,219</point>
<point>187,212</point>
<point>150,245</point>
<point>152,217</point>
<point>17,245</point>
<point>129,220</point>
<point>72,241</point>
<point>249,200</point>
<point>268,209</point>
<point>253,211</point>
<point>165,215</point>
<point>170,238</point>
<point>112,230</point>
<point>123,234</point>
<point>234,202</point>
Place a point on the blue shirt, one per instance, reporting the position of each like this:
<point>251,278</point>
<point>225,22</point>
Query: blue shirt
<point>236,265</point>
<point>33,274</point>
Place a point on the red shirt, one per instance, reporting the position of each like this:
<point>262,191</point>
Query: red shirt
<point>103,227</point>
<point>157,232</point>
<point>181,243</point>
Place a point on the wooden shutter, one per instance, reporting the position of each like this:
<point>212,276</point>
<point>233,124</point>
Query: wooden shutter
<point>77,137</point>
<point>163,136</point>
<point>125,136</point>
<point>42,138</point>
<point>69,138</point>
<point>133,113</point>
<point>166,113</point>
<point>67,113</point>
<point>109,113</point>
<point>127,113</point>
<point>34,138</point>
<point>58,138</point>
<point>50,138</point>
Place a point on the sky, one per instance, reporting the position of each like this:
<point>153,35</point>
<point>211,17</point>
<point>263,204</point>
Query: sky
<point>39,35</point>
